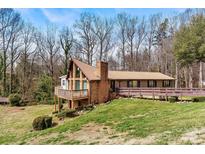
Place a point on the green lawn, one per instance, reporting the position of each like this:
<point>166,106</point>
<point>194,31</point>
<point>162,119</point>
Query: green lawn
<point>137,118</point>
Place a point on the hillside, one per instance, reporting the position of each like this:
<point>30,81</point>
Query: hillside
<point>123,121</point>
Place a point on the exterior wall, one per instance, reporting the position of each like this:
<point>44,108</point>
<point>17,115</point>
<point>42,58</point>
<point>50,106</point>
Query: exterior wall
<point>94,87</point>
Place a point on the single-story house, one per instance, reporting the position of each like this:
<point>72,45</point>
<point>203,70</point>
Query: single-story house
<point>85,84</point>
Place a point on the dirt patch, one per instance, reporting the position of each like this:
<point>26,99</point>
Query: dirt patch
<point>196,136</point>
<point>41,139</point>
<point>100,134</point>
<point>14,109</point>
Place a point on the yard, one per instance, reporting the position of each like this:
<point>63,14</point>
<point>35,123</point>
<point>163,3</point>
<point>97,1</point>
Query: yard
<point>123,121</point>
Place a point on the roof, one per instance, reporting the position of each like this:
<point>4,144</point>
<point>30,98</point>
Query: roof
<point>88,70</point>
<point>64,76</point>
<point>90,73</point>
<point>126,75</point>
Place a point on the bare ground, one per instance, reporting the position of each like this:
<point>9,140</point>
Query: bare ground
<point>93,134</point>
<point>197,136</point>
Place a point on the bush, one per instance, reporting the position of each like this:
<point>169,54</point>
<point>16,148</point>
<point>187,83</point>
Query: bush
<point>15,100</point>
<point>198,99</point>
<point>44,89</point>
<point>42,122</point>
<point>173,99</point>
<point>67,113</point>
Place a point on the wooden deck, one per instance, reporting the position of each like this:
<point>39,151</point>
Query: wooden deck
<point>161,92</point>
<point>4,100</point>
<point>71,94</point>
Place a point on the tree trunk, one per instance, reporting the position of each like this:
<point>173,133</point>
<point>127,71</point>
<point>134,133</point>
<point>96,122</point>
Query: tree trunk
<point>177,76</point>
<point>4,75</point>
<point>11,76</point>
<point>190,77</point>
<point>186,78</point>
<point>200,74</point>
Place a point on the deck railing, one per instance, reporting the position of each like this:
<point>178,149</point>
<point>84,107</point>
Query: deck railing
<point>132,91</point>
<point>71,94</point>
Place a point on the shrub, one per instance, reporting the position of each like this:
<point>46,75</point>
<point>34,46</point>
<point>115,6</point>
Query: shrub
<point>15,100</point>
<point>42,122</point>
<point>67,113</point>
<point>44,89</point>
<point>48,121</point>
<point>198,99</point>
<point>173,99</point>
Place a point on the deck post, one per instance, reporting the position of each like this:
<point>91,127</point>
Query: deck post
<point>166,94</point>
<point>55,103</point>
<point>153,98</point>
<point>59,108</point>
<point>181,96</point>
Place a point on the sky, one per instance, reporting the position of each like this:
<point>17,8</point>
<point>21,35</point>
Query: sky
<point>66,17</point>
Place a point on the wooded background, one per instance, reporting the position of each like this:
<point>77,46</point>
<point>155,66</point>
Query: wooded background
<point>32,59</point>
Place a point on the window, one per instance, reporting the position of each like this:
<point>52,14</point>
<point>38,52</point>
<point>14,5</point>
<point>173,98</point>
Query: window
<point>77,85</point>
<point>136,83</point>
<point>129,83</point>
<point>166,83</point>
<point>77,72</point>
<point>152,83</point>
<point>84,84</point>
<point>63,82</point>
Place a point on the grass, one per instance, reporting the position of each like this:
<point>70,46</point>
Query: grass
<point>138,118</point>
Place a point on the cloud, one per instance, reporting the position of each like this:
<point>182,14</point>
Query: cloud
<point>61,16</point>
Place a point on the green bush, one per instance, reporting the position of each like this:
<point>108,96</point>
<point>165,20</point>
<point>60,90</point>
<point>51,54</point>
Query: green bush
<point>15,100</point>
<point>198,99</point>
<point>42,122</point>
<point>173,99</point>
<point>43,91</point>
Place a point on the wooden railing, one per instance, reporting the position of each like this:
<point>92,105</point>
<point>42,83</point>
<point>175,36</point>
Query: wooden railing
<point>161,91</point>
<point>71,94</point>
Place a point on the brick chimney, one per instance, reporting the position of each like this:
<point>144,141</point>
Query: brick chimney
<point>102,70</point>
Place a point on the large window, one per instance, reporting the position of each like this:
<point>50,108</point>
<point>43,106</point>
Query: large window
<point>166,83</point>
<point>136,83</point>
<point>77,85</point>
<point>77,72</point>
<point>152,83</point>
<point>129,84</point>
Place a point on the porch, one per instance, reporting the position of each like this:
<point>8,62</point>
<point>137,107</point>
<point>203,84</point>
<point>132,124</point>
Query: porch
<point>70,95</point>
<point>166,92</point>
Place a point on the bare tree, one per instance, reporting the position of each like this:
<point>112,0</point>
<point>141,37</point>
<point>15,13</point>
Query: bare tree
<point>48,47</point>
<point>103,30</point>
<point>122,19</point>
<point>140,37</point>
<point>27,57</point>
<point>131,32</point>
<point>151,27</point>
<point>14,53</point>
<point>9,21</point>
<point>87,39</point>
<point>66,41</point>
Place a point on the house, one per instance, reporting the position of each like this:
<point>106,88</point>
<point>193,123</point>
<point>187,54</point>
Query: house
<point>85,84</point>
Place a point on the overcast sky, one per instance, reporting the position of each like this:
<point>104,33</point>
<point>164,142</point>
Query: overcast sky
<point>64,17</point>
